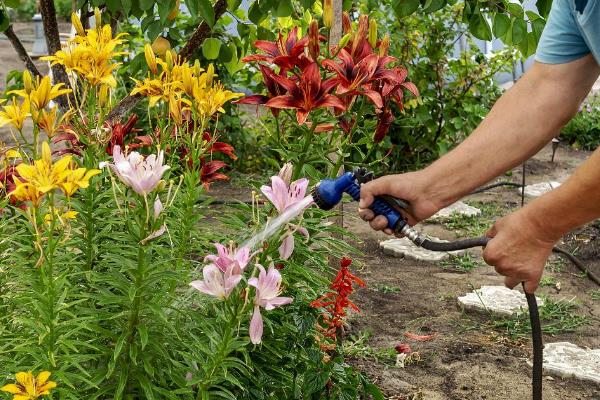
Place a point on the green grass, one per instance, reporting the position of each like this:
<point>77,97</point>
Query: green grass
<point>463,263</point>
<point>356,346</point>
<point>595,294</point>
<point>466,226</point>
<point>557,317</point>
<point>555,265</point>
<point>548,280</point>
<point>386,288</point>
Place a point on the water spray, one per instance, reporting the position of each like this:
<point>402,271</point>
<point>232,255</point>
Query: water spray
<point>329,192</point>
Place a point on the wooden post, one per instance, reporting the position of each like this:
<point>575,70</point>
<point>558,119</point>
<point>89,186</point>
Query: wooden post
<point>335,35</point>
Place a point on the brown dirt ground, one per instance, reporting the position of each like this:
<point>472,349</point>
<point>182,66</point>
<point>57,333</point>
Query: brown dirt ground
<point>462,361</point>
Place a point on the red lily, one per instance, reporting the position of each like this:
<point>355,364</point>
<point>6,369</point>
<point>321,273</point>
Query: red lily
<point>219,147</point>
<point>274,89</point>
<point>307,94</point>
<point>120,131</point>
<point>71,139</point>
<point>286,54</point>
<point>209,174</point>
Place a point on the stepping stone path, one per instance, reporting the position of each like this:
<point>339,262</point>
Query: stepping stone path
<point>569,360</point>
<point>498,299</point>
<point>539,189</point>
<point>405,248</point>
<point>457,208</point>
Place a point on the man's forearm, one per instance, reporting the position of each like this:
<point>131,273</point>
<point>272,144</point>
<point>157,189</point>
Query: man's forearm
<point>573,204</point>
<point>523,120</point>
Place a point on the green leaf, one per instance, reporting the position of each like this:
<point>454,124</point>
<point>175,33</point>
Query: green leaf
<point>434,5</point>
<point>234,65</point>
<point>4,20</point>
<point>479,27</point>
<point>543,7</point>
<point>255,15</point>
<point>155,28</point>
<point>143,331</point>
<point>403,8</point>
<point>164,9</point>
<point>146,4</point>
<point>126,6</point>
<point>284,9</point>
<point>225,54</point>
<point>519,31</point>
<point>537,26</point>
<point>12,3</point>
<point>206,11</point>
<point>374,391</point>
<point>210,48</point>
<point>233,5</point>
<point>501,25</point>
<point>516,10</point>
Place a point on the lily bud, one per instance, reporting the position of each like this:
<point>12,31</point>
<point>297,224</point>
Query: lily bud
<point>77,24</point>
<point>27,81</point>
<point>104,95</point>
<point>346,23</point>
<point>161,185</point>
<point>372,33</point>
<point>328,13</point>
<point>150,59</point>
<point>286,173</point>
<point>98,17</point>
<point>384,46</point>
<point>210,74</point>
<point>313,39</point>
<point>169,60</point>
<point>343,42</point>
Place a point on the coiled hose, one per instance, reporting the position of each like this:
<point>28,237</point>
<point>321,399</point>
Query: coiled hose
<point>534,315</point>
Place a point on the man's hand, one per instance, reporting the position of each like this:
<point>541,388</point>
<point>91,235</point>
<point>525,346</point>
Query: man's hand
<point>519,249</point>
<point>410,187</point>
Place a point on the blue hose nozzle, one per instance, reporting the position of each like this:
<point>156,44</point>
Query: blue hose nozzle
<point>328,193</point>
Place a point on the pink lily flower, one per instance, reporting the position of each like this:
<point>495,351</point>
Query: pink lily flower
<point>283,195</point>
<point>142,175</point>
<point>228,259</point>
<point>268,289</point>
<point>216,283</point>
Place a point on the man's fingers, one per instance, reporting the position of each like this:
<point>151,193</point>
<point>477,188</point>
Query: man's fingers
<point>366,198</point>
<point>530,286</point>
<point>379,223</point>
<point>511,282</point>
<point>366,214</point>
<point>374,188</point>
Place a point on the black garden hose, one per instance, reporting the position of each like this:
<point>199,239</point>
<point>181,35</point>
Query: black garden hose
<point>534,315</point>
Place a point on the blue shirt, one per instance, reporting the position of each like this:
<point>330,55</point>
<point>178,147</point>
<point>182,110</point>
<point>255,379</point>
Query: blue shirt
<point>572,32</point>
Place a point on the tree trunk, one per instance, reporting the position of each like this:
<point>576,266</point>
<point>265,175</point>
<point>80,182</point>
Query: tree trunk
<point>59,73</point>
<point>186,52</point>
<point>23,55</point>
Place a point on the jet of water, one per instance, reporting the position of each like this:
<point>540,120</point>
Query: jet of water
<point>274,225</point>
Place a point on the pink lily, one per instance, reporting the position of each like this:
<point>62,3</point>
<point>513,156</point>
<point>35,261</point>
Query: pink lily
<point>268,289</point>
<point>142,175</point>
<point>230,260</point>
<point>216,283</point>
<point>283,196</point>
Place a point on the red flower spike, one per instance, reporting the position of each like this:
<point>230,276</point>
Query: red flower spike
<point>307,94</point>
<point>313,40</point>
<point>336,302</point>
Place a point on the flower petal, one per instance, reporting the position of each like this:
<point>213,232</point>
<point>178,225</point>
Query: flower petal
<point>256,326</point>
<point>287,247</point>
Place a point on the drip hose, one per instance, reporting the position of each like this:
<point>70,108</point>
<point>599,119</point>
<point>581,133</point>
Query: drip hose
<point>534,315</point>
<point>495,185</point>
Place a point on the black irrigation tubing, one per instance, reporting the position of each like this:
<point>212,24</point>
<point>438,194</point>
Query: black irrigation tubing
<point>593,277</point>
<point>495,185</point>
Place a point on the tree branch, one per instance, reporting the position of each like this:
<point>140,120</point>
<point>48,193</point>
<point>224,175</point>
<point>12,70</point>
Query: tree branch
<point>20,49</point>
<point>50,23</point>
<point>195,41</point>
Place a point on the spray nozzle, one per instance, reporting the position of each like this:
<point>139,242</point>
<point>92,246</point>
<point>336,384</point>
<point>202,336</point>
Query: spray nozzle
<point>328,193</point>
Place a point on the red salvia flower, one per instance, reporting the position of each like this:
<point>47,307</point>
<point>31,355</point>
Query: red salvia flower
<point>309,93</point>
<point>336,302</point>
<point>286,53</point>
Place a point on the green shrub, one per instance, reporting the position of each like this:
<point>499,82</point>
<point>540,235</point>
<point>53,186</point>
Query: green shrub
<point>583,131</point>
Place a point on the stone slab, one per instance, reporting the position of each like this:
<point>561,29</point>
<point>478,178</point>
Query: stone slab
<point>498,299</point>
<point>457,208</point>
<point>568,360</point>
<point>539,189</point>
<point>403,247</point>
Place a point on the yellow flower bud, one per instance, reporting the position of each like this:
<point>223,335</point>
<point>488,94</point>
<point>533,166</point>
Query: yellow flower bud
<point>77,24</point>
<point>27,81</point>
<point>210,74</point>
<point>98,17</point>
<point>328,13</point>
<point>372,33</point>
<point>384,46</point>
<point>169,60</point>
<point>104,95</point>
<point>161,185</point>
<point>150,59</point>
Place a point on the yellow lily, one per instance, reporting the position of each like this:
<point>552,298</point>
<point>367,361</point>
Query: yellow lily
<point>29,387</point>
<point>72,180</point>
<point>14,113</point>
<point>44,175</point>
<point>48,121</point>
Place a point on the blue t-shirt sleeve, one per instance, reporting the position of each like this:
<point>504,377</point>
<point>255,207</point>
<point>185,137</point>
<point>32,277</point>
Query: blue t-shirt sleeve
<point>561,41</point>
